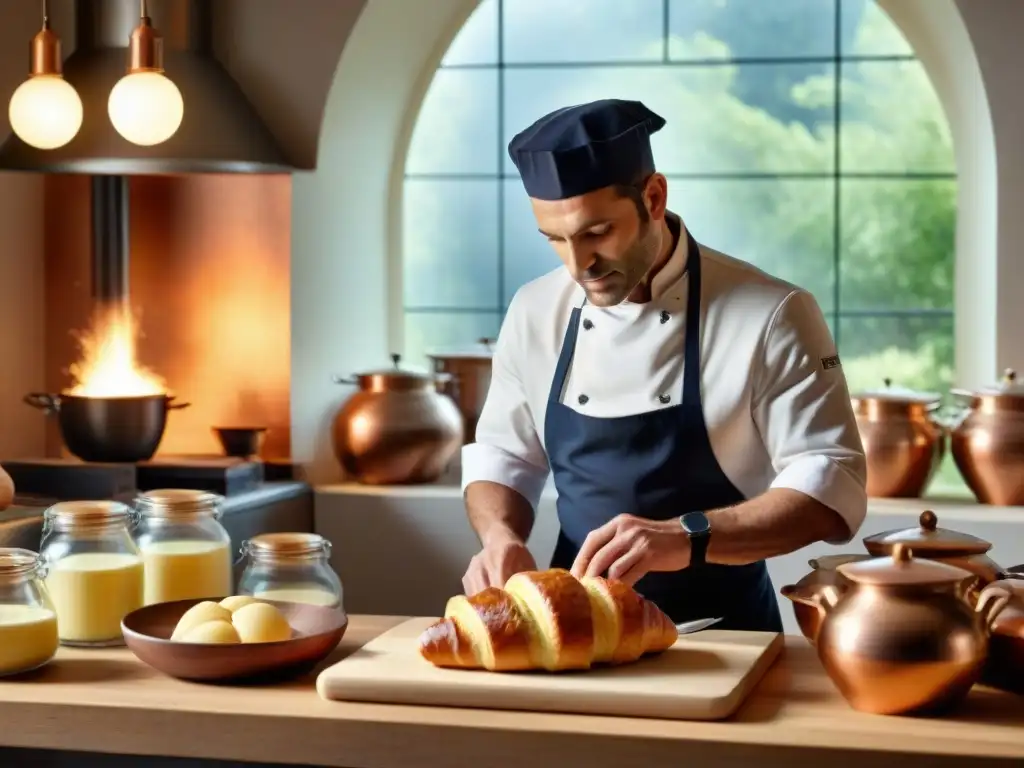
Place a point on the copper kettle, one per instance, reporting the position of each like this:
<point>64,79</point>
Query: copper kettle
<point>988,442</point>
<point>902,637</point>
<point>947,546</point>
<point>903,444</point>
<point>397,428</point>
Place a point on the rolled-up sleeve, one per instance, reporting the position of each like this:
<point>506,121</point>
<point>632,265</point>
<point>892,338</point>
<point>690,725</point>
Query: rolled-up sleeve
<point>803,411</point>
<point>508,450</point>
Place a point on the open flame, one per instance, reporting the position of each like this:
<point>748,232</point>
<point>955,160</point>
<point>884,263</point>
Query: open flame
<point>108,366</point>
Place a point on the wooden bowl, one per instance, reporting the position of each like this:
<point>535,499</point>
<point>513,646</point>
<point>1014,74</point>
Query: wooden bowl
<point>318,630</point>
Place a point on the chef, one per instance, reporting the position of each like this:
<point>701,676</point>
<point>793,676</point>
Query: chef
<point>692,409</point>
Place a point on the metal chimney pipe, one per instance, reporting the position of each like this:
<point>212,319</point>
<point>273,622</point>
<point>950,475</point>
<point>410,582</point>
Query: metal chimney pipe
<point>110,239</point>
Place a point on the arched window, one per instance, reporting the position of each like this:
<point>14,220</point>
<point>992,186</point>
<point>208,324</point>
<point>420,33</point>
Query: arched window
<point>802,136</point>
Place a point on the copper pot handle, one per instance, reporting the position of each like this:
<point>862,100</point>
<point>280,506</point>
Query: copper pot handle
<point>45,402</point>
<point>991,603</point>
<point>171,406</point>
<point>350,380</point>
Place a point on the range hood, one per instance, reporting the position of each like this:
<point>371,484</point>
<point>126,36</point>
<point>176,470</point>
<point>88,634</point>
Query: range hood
<point>221,131</point>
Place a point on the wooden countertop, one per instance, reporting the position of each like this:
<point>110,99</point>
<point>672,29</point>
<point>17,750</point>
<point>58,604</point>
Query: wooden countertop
<point>107,701</point>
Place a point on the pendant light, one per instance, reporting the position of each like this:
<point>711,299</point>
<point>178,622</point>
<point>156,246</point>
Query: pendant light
<point>145,106</point>
<point>45,111</point>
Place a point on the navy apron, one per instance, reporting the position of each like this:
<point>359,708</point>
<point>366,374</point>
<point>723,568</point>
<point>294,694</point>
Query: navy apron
<point>658,465</point>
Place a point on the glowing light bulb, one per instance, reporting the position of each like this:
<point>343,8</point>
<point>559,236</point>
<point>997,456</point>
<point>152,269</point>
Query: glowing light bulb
<point>146,107</point>
<point>45,111</point>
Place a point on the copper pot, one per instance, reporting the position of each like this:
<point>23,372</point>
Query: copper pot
<point>988,443</point>
<point>823,573</point>
<point>1004,667</point>
<point>901,638</point>
<point>470,378</point>
<point>903,444</point>
<point>927,540</point>
<point>398,428</point>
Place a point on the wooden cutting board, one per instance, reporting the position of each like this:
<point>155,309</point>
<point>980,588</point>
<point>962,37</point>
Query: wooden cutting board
<point>704,676</point>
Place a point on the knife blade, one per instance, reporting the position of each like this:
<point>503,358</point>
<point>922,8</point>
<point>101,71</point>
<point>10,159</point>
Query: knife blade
<point>689,627</point>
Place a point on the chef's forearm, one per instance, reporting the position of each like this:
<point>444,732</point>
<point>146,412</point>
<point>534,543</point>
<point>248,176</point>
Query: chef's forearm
<point>775,523</point>
<point>496,510</point>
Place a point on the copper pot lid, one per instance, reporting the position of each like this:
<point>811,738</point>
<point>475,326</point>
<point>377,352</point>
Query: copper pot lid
<point>901,569</point>
<point>1009,392</point>
<point>394,379</point>
<point>927,540</point>
<point>482,350</point>
<point>897,395</point>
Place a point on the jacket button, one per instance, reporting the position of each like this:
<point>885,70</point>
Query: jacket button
<point>664,317</point>
<point>583,399</point>
<point>664,399</point>
<point>587,325</point>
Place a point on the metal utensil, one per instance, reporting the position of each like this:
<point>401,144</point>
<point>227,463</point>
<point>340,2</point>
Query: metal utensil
<point>689,627</point>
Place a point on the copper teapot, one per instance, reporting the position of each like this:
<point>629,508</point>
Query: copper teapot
<point>823,573</point>
<point>944,545</point>
<point>1004,667</point>
<point>903,443</point>
<point>397,428</point>
<point>988,442</point>
<point>901,637</point>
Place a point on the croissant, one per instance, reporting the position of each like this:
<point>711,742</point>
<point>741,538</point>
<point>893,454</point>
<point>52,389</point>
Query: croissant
<point>547,620</point>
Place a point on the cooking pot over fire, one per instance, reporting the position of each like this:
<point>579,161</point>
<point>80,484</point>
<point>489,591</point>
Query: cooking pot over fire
<point>108,429</point>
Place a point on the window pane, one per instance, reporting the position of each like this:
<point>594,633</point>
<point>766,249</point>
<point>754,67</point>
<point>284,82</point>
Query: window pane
<point>710,128</point>
<point>897,243</point>
<point>527,253</point>
<point>784,226</point>
<point>450,243</point>
<point>892,120</point>
<point>713,29</point>
<point>914,352</point>
<point>427,332</point>
<point>868,31</point>
<point>477,41</point>
<point>457,127</point>
<point>540,31</point>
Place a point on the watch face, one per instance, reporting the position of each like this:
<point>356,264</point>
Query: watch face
<point>695,523</point>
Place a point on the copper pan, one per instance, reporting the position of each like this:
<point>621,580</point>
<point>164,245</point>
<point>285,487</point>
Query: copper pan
<point>903,442</point>
<point>988,442</point>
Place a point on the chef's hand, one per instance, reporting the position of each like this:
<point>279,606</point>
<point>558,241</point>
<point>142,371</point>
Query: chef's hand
<point>629,547</point>
<point>502,556</point>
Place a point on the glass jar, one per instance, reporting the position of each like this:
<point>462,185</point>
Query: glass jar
<point>94,572</point>
<point>28,622</point>
<point>290,567</point>
<point>185,549</point>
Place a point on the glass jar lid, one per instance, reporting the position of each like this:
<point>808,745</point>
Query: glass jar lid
<point>895,394</point>
<point>18,562</point>
<point>901,569</point>
<point>928,540</point>
<point>286,546</point>
<point>67,515</point>
<point>177,502</point>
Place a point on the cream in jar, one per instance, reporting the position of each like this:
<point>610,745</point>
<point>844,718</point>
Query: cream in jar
<point>290,567</point>
<point>95,575</point>
<point>28,623</point>
<point>185,550</point>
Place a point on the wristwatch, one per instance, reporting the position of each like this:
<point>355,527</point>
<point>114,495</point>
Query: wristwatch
<point>698,528</point>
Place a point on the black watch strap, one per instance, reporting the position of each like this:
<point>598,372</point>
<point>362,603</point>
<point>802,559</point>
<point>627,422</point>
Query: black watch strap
<point>698,528</point>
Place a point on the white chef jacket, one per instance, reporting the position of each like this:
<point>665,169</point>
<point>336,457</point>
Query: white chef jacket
<point>776,405</point>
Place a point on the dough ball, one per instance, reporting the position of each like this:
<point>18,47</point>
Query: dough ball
<point>235,602</point>
<point>200,613</point>
<point>261,623</point>
<point>218,631</point>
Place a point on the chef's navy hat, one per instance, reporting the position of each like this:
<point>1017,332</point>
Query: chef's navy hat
<point>578,149</point>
